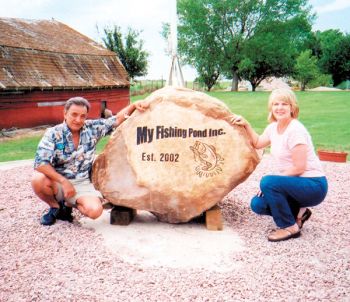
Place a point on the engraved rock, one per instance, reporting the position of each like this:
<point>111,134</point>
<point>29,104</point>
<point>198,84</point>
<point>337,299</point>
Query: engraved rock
<point>177,159</point>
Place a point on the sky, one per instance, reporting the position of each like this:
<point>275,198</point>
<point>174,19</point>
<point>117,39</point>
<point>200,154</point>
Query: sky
<point>147,16</point>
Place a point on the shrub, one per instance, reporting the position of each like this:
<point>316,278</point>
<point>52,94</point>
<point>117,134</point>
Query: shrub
<point>321,80</point>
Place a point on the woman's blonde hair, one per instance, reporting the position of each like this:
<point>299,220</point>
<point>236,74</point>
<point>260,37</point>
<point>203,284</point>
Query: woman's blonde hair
<point>284,95</point>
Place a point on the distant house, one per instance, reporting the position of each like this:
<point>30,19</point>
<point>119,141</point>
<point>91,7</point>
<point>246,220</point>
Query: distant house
<point>43,63</point>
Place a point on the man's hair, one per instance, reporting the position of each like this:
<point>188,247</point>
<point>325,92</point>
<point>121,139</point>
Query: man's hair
<point>79,101</point>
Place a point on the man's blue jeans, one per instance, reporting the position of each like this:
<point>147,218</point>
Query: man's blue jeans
<point>283,196</point>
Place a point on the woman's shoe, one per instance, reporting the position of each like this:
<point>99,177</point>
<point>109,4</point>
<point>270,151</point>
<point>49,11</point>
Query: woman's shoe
<point>304,218</point>
<point>283,234</point>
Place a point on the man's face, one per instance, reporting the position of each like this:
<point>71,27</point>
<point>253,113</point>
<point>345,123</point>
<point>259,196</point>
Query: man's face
<point>75,117</point>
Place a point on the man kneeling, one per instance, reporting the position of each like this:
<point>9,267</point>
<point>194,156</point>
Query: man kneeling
<point>64,158</point>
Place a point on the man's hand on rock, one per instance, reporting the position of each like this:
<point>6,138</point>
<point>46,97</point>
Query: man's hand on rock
<point>141,105</point>
<point>68,188</point>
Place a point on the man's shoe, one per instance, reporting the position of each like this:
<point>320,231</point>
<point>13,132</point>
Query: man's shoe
<point>65,212</point>
<point>50,217</point>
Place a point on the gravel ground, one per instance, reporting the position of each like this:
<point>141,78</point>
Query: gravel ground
<point>67,262</point>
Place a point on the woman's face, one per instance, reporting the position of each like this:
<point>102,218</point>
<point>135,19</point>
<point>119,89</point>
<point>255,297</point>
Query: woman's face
<point>281,110</point>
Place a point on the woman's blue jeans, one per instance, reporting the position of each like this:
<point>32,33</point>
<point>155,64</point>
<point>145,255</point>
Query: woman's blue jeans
<point>283,196</point>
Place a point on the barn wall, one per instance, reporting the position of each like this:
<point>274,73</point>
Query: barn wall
<point>36,108</point>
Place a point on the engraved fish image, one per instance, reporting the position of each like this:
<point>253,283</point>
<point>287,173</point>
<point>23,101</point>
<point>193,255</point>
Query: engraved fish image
<point>206,155</point>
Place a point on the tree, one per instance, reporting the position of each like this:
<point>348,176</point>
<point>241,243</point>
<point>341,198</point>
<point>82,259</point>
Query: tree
<point>306,68</point>
<point>205,60</point>
<point>233,25</point>
<point>201,56</point>
<point>208,75</point>
<point>334,54</point>
<point>271,52</point>
<point>130,51</point>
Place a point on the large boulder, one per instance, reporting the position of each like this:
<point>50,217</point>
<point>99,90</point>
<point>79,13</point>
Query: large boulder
<point>177,159</point>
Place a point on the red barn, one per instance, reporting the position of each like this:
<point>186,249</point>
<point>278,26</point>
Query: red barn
<point>43,63</point>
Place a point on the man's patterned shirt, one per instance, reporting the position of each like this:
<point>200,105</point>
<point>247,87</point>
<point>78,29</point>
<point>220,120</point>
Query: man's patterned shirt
<point>57,148</point>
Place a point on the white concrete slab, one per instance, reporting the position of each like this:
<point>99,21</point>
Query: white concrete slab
<point>148,242</point>
<point>16,163</point>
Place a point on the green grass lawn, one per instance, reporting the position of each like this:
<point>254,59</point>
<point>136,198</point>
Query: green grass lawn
<point>325,115</point>
<point>17,149</point>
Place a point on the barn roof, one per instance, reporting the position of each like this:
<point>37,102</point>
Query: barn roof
<point>50,55</point>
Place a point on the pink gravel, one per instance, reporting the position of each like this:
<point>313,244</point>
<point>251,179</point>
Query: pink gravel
<point>67,262</point>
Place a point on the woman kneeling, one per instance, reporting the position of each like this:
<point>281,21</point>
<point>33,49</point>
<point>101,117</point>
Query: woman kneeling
<point>299,181</point>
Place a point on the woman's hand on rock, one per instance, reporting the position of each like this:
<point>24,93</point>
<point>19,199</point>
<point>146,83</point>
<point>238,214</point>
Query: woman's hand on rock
<point>237,120</point>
